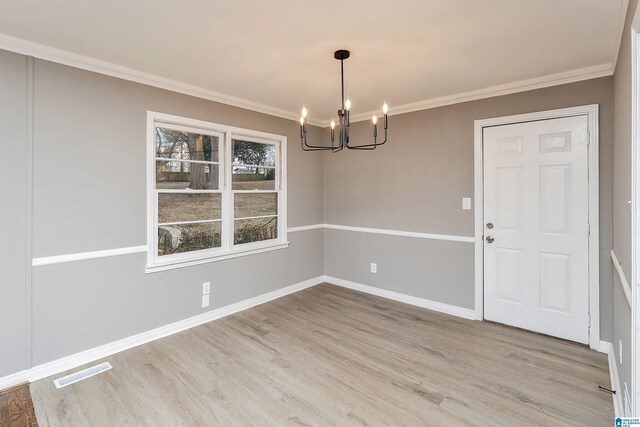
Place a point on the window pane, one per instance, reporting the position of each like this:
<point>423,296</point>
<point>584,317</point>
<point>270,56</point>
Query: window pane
<point>254,153</point>
<point>175,144</point>
<point>178,207</point>
<point>175,239</point>
<point>261,204</point>
<point>255,230</point>
<point>253,178</point>
<point>186,175</point>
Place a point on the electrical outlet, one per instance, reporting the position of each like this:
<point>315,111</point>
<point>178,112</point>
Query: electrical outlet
<point>206,288</point>
<point>374,267</point>
<point>620,351</point>
<point>205,301</point>
<point>466,203</point>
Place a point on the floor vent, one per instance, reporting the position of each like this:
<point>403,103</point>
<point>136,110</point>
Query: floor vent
<point>81,375</point>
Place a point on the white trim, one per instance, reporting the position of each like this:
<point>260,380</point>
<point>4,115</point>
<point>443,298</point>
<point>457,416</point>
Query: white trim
<point>253,167</point>
<point>87,356</point>
<point>447,237</point>
<point>186,191</point>
<point>466,313</point>
<point>618,407</point>
<point>60,56</point>
<point>622,277</point>
<point>635,213</point>
<point>305,228</point>
<point>83,256</point>
<point>567,77</point>
<point>591,111</point>
<point>229,255</point>
<point>254,217</point>
<point>202,221</point>
<point>478,208</point>
<point>605,347</point>
<point>203,162</point>
<point>228,249</point>
<point>82,62</point>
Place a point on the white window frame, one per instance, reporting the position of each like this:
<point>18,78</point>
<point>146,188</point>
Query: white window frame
<point>227,249</point>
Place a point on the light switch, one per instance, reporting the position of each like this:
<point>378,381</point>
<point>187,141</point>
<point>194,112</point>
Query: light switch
<point>466,203</point>
<point>205,301</point>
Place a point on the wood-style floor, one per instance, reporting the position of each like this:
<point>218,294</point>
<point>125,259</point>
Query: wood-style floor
<point>332,356</point>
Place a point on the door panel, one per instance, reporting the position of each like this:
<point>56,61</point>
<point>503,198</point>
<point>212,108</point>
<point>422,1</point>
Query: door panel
<point>508,198</point>
<point>555,278</point>
<point>555,199</point>
<point>536,198</point>
<point>509,275</point>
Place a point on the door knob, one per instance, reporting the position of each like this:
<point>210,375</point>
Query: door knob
<point>490,239</point>
<point>489,225</point>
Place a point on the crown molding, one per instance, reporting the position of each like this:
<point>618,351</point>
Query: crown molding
<point>622,19</point>
<point>82,62</point>
<point>64,57</point>
<point>566,77</point>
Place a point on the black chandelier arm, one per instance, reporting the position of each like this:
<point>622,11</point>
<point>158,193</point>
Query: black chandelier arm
<point>362,147</point>
<point>316,148</point>
<point>368,146</point>
<point>375,143</point>
<point>307,147</point>
<point>344,118</point>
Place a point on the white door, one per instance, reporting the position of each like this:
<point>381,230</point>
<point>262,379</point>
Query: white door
<point>536,254</point>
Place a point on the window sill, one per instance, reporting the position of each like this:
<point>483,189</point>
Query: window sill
<point>240,253</point>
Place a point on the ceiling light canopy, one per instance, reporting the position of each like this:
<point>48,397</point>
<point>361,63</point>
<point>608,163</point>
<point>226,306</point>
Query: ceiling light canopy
<point>343,121</point>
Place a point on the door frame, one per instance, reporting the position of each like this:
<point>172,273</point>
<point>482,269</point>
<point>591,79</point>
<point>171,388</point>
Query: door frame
<point>635,213</point>
<point>591,111</point>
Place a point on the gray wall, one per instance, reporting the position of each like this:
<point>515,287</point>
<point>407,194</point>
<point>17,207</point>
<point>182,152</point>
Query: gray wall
<point>416,183</point>
<point>432,269</point>
<point>13,216</point>
<point>85,304</point>
<point>621,196</point>
<point>89,193</point>
<point>89,152</point>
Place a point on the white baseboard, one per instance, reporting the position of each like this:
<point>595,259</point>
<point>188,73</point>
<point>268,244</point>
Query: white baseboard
<point>605,347</point>
<point>618,408</point>
<point>466,313</point>
<point>87,356</point>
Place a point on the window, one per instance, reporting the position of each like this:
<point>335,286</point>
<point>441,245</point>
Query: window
<point>215,191</point>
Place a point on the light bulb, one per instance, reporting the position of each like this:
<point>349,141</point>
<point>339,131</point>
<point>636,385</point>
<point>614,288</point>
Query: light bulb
<point>302,120</point>
<point>385,108</point>
<point>304,112</point>
<point>333,124</point>
<point>374,119</point>
<point>347,104</point>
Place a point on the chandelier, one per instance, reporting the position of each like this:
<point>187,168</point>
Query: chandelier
<point>343,121</point>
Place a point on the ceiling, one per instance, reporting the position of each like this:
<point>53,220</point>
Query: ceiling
<point>279,53</point>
